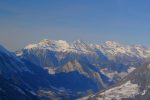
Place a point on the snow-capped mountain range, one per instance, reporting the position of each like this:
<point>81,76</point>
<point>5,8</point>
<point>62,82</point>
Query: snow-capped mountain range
<point>111,61</point>
<point>109,47</point>
<point>55,53</point>
<point>107,56</point>
<point>72,70</point>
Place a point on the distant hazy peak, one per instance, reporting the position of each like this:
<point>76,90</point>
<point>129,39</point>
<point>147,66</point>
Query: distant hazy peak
<point>60,45</point>
<point>30,46</point>
<point>46,41</point>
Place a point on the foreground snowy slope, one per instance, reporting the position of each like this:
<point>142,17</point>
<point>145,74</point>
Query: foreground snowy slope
<point>135,86</point>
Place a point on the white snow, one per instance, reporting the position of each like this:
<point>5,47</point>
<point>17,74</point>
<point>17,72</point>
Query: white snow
<point>143,93</point>
<point>51,70</point>
<point>131,69</point>
<point>111,74</point>
<point>115,49</point>
<point>30,46</point>
<point>109,48</point>
<point>125,90</point>
<point>53,45</point>
<point>85,98</point>
<point>108,73</point>
<point>62,46</point>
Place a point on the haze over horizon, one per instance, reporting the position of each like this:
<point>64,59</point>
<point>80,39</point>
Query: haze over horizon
<point>96,21</point>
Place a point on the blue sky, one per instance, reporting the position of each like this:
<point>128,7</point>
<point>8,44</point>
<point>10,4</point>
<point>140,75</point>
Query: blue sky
<point>94,21</point>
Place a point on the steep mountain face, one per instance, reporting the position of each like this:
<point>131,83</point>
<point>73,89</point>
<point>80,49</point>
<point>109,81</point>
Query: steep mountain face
<point>80,77</point>
<point>135,86</point>
<point>11,70</point>
<point>11,91</point>
<point>29,81</point>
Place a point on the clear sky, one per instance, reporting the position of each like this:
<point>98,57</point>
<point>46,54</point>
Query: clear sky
<point>94,21</point>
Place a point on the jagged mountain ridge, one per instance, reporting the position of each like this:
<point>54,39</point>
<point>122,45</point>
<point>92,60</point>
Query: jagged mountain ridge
<point>111,49</point>
<point>28,80</point>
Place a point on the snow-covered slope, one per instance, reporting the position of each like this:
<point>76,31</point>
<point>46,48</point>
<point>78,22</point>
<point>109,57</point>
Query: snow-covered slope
<point>53,45</point>
<point>126,90</point>
<point>114,48</point>
<point>61,46</point>
<point>135,86</point>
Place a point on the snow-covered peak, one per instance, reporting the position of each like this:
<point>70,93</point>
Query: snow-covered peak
<point>63,43</point>
<point>53,45</point>
<point>109,48</point>
<point>141,51</point>
<point>61,46</point>
<point>81,46</point>
<point>46,42</point>
<point>30,46</point>
<point>114,48</point>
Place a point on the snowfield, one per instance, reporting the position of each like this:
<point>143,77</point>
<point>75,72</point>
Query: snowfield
<point>126,90</point>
